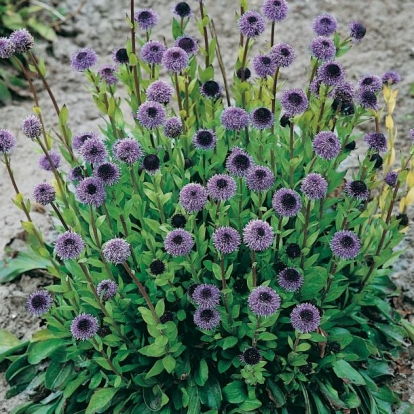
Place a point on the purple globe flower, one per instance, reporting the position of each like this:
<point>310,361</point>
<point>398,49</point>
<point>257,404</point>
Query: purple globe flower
<point>127,150</point>
<point>244,73</point>
<point>7,141</point>
<point>107,289</point>
<point>44,162</point>
<point>93,151</point>
<point>294,102</point>
<point>226,240</point>
<point>151,114</point>
<point>314,186</point>
<point>44,193</point>
<point>258,235</point>
<point>290,279</point>
<point>178,242</point>
<point>120,56</point>
<point>173,127</point>
<point>84,326</point>
<point>175,59</point>
<point>182,9</point>
<point>391,178</point>
<point>116,250</point>
<point>239,162</point>
<point>376,141</point>
<point>250,356</point>
<point>157,267</point>
<point>91,191</point>
<point>108,172</point>
<point>206,296</point>
<point>357,31</point>
<point>286,202</point>
<point>107,74</point>
<point>7,48</point>
<point>210,89</point>
<point>264,65</point>
<point>356,189</point>
<point>146,19</point>
<point>260,178</point>
<point>345,244</point>
<point>326,145</point>
<point>275,10</point>
<point>39,302</point>
<point>322,48</point>
<point>69,245</point>
<point>32,127</point>
<point>325,25</point>
<point>315,86</point>
<point>160,91</point>
<point>151,163</point>
<point>264,301</point>
<point>370,82</point>
<point>76,173</point>
<point>234,118</point>
<point>221,187</point>
<point>206,318</point>
<point>188,43</point>
<point>331,73</point>
<point>83,59</point>
<point>411,134</point>
<point>367,99</point>
<point>152,52</point>
<point>282,54</point>
<point>204,139</point>
<point>251,24</point>
<point>305,318</point>
<point>343,92</point>
<point>79,140</point>
<point>262,118</point>
<point>22,40</point>
<point>193,197</point>
<point>391,78</point>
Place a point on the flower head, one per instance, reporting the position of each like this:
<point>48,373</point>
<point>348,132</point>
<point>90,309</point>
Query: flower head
<point>234,118</point>
<point>80,139</point>
<point>345,244</point>
<point>151,163</point>
<point>127,150</point>
<point>188,43</point>
<point>206,296</point>
<point>290,279</point>
<point>264,301</point>
<point>357,31</point>
<point>367,99</point>
<point>325,25</point>
<point>331,73</point>
<point>32,127</point>
<point>193,197</point>
<point>326,145</point>
<point>264,65</point>
<point>391,178</point>
<point>258,235</point>
<point>178,221</point>
<point>120,56</point>
<point>260,178</point>
<point>356,189</point>
<point>44,193</point>
<point>69,245</point>
<point>262,118</point>
<point>251,24</point>
<point>175,59</point>
<point>157,267</point>
<point>182,9</point>
<point>107,74</point>
<point>293,250</point>
<point>22,40</point>
<point>239,162</point>
<point>93,151</point>
<point>108,172</point>
<point>39,302</point>
<point>411,134</point>
<point>275,10</point>
<point>160,91</point>
<point>173,127</point>
<point>323,48</point>
<point>343,92</point>
<point>206,318</point>
<point>7,48</point>
<point>391,78</point>
<point>305,318</point>
<point>107,289</point>
<point>204,139</point>
<point>244,73</point>
<point>226,240</point>
<point>44,161</point>
<point>286,202</point>
<point>282,54</point>
<point>294,102</point>
<point>116,250</point>
<point>314,186</point>
<point>83,59</point>
<point>376,141</point>
<point>146,19</point>
<point>7,141</point>
<point>84,326</point>
<point>152,52</point>
<point>76,173</point>
<point>370,82</point>
<point>210,89</point>
<point>178,242</point>
<point>91,191</point>
<point>151,114</point>
<point>221,187</point>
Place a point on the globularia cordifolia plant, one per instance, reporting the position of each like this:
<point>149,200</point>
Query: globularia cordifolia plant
<point>211,256</point>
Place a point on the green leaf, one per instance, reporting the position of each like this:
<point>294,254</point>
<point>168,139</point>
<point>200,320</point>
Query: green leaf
<point>38,351</point>
<point>210,393</point>
<point>345,371</point>
<point>156,369</point>
<point>169,363</point>
<point>279,397</point>
<point>45,31</point>
<point>100,399</point>
<point>235,392</point>
<point>7,340</point>
<point>201,375</point>
<point>229,342</point>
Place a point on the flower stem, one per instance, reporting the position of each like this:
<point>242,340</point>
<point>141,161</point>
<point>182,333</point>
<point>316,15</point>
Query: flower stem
<point>305,231</point>
<point>133,50</point>
<point>224,287</point>
<point>205,34</point>
<point>254,266</point>
<point>291,154</point>
<point>62,220</point>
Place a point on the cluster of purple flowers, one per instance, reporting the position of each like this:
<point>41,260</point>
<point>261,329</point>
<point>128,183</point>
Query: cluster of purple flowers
<point>20,41</point>
<point>207,297</point>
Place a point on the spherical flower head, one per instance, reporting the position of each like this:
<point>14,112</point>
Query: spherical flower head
<point>370,82</point>
<point>314,186</point>
<point>44,193</point>
<point>357,31</point>
<point>76,173</point>
<point>107,289</point>
<point>293,250</point>
<point>226,240</point>
<point>286,202</point>
<point>22,40</point>
<point>151,163</point>
<point>356,189</point>
<point>207,319</point>
<point>188,43</point>
<point>305,318</point>
<point>152,52</point>
<point>182,9</point>
<point>221,187</point>
<point>264,65</point>
<point>250,356</point>
<point>322,48</point>
<point>91,191</point>
<point>210,89</point>
<point>7,141</point>
<point>325,25</point>
<point>93,151</point>
<point>376,141</point>
<point>173,127</point>
<point>239,162</point>
<point>39,302</point>
<point>343,92</point>
<point>391,178</point>
<point>32,127</point>
<point>107,74</point>
<point>7,48</point>
<point>80,139</point>
<point>258,235</point>
<point>127,150</point>
<point>262,118</point>
<point>193,197</point>
<point>116,251</point>
<point>146,19</point>
<point>108,172</point>
<point>83,59</point>
<point>345,244</point>
<point>251,24</point>
<point>275,10</point>
<point>282,54</point>
<point>151,114</point>
<point>120,56</point>
<point>204,139</point>
<point>377,160</point>
<point>178,221</point>
<point>157,267</point>
<point>160,91</point>
<point>244,73</point>
<point>315,86</point>
<point>294,102</point>
<point>234,118</point>
<point>331,73</point>
<point>175,59</point>
<point>206,296</point>
<point>44,162</point>
<point>326,145</point>
<point>367,99</point>
<point>69,245</point>
<point>178,242</point>
<point>391,78</point>
<point>84,326</point>
<point>264,301</point>
<point>290,279</point>
<point>260,178</point>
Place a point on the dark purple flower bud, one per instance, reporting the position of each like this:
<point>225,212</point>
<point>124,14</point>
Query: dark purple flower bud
<point>251,24</point>
<point>182,9</point>
<point>69,245</point>
<point>127,150</point>
<point>206,296</point>
<point>107,74</point>
<point>32,127</point>
<point>221,187</point>
<point>107,289</point>
<point>275,10</point>
<point>151,163</point>
<point>284,120</point>
<point>325,25</point>
<point>206,318</point>
<point>44,193</point>
<point>264,301</point>
<point>345,244</point>
<point>357,31</point>
<point>175,59</point>
<point>83,59</point>
<point>157,267</point>
<point>264,65</point>
<point>240,286</point>
<point>239,162</point>
<point>293,250</point>
<point>286,202</point>
<point>262,118</point>
<point>152,52</point>
<point>167,316</point>
<point>322,48</point>
<point>84,326</point>
<point>204,139</point>
<point>391,77</point>
<point>234,118</point>
<point>250,356</point>
<point>326,145</point>
<point>7,141</point>
<point>79,140</point>
<point>108,172</point>
<point>226,240</point>
<point>282,54</point>
<point>305,318</point>
<point>120,56</point>
<point>22,40</point>
<point>376,141</point>
<point>260,178</point>
<point>160,91</point>
<point>314,186</point>
<point>377,160</point>
<point>210,89</point>
<point>193,197</point>
<point>93,151</point>
<point>294,102</point>
<point>258,235</point>
<point>356,189</point>
<point>7,48</point>
<point>290,279</point>
<point>188,43</point>
<point>44,162</point>
<point>391,178</point>
<point>76,173</point>
<point>116,251</point>
<point>403,219</point>
<point>151,114</point>
<point>370,82</point>
<point>146,19</point>
<point>173,127</point>
<point>91,191</point>
<point>350,146</point>
<point>331,73</point>
<point>39,302</point>
<point>178,221</point>
<point>244,73</point>
<point>178,242</point>
<point>367,99</point>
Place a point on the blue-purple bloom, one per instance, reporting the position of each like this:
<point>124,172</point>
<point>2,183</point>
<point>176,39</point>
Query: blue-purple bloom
<point>204,139</point>
<point>260,178</point>
<point>251,24</point>
<point>193,197</point>
<point>39,302</point>
<point>314,186</point>
<point>391,78</point>
<point>325,25</point>
<point>258,235</point>
<point>76,173</point>
<point>80,139</point>
<point>206,296</point>
<point>6,48</point>
<point>234,118</point>
<point>206,318</point>
<point>345,244</point>
<point>376,141</point>
<point>84,326</point>
<point>210,89</point>
<point>116,250</point>
<point>83,59</point>
<point>286,202</point>
<point>108,172</point>
<point>146,19</point>
<point>370,82</point>
<point>356,189</point>
<point>282,54</point>
<point>32,127</point>
<point>152,52</point>
<point>264,301</point>
<point>261,118</point>
<point>239,162</point>
<point>91,191</point>
<point>290,279</point>
<point>326,145</point>
<point>173,127</point>
<point>107,74</point>
<point>44,162</point>
<point>160,91</point>
<point>367,99</point>
<point>275,10</point>
<point>344,92</point>
<point>7,141</point>
<point>323,48</point>
<point>69,245</point>
<point>331,73</point>
<point>264,65</point>
<point>107,289</point>
<point>22,40</point>
<point>182,9</point>
<point>305,318</point>
<point>120,56</point>
<point>175,59</point>
<point>221,187</point>
<point>357,31</point>
<point>178,242</point>
<point>188,43</point>
<point>151,114</point>
<point>44,193</point>
<point>391,178</point>
<point>294,102</point>
<point>93,151</point>
<point>127,150</point>
<point>226,239</point>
